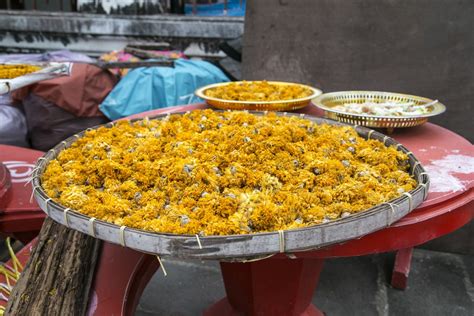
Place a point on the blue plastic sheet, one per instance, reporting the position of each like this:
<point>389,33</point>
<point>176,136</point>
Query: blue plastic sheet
<point>145,89</point>
<point>234,8</point>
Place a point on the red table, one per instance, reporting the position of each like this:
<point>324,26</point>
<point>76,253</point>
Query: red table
<point>284,286</point>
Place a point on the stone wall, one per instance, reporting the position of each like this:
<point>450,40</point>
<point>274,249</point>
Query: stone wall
<point>423,47</point>
<point>95,34</point>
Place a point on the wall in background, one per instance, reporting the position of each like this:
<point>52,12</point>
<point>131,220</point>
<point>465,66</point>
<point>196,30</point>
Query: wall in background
<point>423,47</point>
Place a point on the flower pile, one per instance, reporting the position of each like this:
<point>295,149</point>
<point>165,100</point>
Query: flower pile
<point>222,173</point>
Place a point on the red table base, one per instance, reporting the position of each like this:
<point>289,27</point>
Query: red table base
<point>401,268</point>
<point>269,287</point>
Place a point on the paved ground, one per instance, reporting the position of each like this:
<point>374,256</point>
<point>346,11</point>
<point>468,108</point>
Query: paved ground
<point>439,284</point>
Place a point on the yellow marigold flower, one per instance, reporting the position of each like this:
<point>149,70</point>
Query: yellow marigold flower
<point>221,173</point>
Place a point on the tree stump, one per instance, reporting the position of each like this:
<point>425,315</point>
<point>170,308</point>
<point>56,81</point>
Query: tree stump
<point>58,276</point>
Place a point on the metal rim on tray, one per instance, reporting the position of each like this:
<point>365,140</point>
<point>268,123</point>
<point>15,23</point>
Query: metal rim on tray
<point>327,101</point>
<point>278,105</point>
<point>239,247</point>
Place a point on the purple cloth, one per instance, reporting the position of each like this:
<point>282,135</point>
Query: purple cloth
<point>58,56</point>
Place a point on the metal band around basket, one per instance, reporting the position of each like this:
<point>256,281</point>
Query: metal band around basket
<point>398,146</point>
<point>385,139</point>
<point>410,201</point>
<point>91,227</point>
<point>33,192</point>
<point>66,219</point>
<point>64,142</point>
<point>46,208</point>
<point>122,236</point>
<point>32,177</point>
<point>256,259</point>
<point>391,213</point>
<point>425,189</point>
<point>281,240</point>
<point>198,241</point>
<point>414,167</point>
<point>370,133</point>
<point>161,265</point>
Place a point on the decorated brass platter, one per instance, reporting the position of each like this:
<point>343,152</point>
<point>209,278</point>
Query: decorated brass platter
<point>276,105</point>
<point>333,102</point>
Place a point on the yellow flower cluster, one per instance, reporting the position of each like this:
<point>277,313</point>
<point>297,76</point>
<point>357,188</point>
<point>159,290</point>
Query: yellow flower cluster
<point>220,173</point>
<point>258,91</point>
<point>13,71</point>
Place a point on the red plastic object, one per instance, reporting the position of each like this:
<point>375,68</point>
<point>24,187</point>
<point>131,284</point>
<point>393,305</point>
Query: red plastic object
<point>5,185</point>
<point>20,217</point>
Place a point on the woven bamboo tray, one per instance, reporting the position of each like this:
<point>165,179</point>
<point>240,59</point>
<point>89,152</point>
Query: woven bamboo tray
<point>285,105</point>
<point>328,101</point>
<point>240,247</point>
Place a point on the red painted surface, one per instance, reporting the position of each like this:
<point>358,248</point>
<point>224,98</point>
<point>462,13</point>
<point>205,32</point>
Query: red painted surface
<point>5,185</point>
<point>269,287</point>
<point>280,285</point>
<point>121,276</point>
<point>401,268</point>
<point>20,217</point>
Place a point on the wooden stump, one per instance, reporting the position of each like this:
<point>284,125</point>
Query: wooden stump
<point>58,276</point>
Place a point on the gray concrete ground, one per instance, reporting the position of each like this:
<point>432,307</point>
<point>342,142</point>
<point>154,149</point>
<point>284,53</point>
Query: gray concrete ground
<point>439,284</point>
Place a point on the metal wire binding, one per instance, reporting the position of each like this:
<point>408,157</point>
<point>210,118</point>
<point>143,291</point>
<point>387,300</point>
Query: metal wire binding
<point>32,193</point>
<point>122,236</point>
<point>256,259</point>
<point>198,241</point>
<point>91,227</point>
<point>391,213</point>
<point>161,265</point>
<point>414,167</point>
<point>281,240</point>
<point>46,208</point>
<point>66,219</point>
<point>410,201</point>
<point>425,190</point>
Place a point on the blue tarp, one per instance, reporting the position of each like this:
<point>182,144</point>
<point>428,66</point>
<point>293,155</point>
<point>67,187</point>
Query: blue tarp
<point>234,8</point>
<point>145,89</point>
